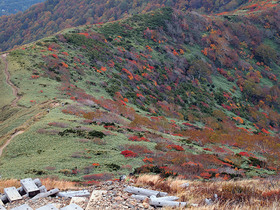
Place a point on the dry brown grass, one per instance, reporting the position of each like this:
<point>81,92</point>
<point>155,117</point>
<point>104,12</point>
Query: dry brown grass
<point>243,194</point>
<point>8,183</point>
<point>48,182</point>
<point>60,184</point>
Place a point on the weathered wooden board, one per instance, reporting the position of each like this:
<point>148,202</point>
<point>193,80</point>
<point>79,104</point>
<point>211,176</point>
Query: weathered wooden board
<point>70,194</point>
<point>142,191</point>
<point>72,206</point>
<point>162,203</point>
<point>44,195</point>
<point>30,187</point>
<point>95,196</point>
<point>167,198</point>
<point>139,197</point>
<point>12,194</point>
<point>22,207</point>
<point>48,207</point>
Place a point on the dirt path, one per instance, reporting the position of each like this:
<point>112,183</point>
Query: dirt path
<point>8,77</point>
<point>28,123</point>
<point>8,142</point>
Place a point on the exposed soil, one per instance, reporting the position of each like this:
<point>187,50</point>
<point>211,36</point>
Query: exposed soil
<point>8,77</point>
<point>8,142</point>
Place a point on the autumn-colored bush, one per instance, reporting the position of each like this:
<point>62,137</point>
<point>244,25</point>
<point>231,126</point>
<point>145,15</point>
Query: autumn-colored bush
<point>136,138</point>
<point>138,149</point>
<point>176,147</point>
<point>128,153</point>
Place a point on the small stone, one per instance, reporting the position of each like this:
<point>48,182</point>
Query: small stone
<point>123,177</point>
<point>185,185</point>
<point>118,198</point>
<point>208,201</point>
<point>109,183</point>
<point>146,205</point>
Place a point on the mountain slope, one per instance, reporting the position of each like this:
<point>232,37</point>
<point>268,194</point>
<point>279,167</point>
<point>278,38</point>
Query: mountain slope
<point>175,93</point>
<point>14,6</point>
<point>53,15</point>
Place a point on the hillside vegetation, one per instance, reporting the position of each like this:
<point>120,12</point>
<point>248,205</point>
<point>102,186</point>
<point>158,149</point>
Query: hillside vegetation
<point>14,6</point>
<point>54,15</point>
<point>170,92</point>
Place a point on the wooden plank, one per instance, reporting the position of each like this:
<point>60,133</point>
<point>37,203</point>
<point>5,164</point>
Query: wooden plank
<point>22,207</point>
<point>30,187</point>
<point>167,198</point>
<point>44,195</point>
<point>139,197</point>
<point>72,206</point>
<point>96,195</point>
<point>70,194</point>
<point>162,203</point>
<point>12,194</point>
<point>48,207</point>
<point>142,191</point>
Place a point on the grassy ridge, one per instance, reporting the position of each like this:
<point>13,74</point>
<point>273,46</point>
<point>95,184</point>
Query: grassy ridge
<point>167,92</point>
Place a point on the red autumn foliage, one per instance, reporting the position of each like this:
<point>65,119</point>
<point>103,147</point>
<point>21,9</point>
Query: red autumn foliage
<point>128,153</point>
<point>176,147</point>
<point>136,138</point>
<point>54,55</point>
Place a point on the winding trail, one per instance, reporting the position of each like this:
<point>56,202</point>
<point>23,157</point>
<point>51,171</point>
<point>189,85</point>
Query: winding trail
<point>21,129</point>
<point>28,123</point>
<point>8,142</point>
<point>8,77</point>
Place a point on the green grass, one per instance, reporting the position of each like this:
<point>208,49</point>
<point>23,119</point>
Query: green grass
<point>6,93</point>
<point>32,150</point>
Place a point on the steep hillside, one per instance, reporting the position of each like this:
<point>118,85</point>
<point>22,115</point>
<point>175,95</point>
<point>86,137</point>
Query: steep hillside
<point>169,92</point>
<point>14,6</point>
<point>54,15</point>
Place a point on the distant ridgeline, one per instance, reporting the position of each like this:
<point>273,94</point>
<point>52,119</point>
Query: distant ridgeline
<point>53,15</point>
<point>8,7</point>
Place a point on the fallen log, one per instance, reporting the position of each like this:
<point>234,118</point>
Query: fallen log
<point>139,197</point>
<point>46,194</point>
<point>162,203</point>
<point>70,194</point>
<point>142,191</point>
<point>167,198</point>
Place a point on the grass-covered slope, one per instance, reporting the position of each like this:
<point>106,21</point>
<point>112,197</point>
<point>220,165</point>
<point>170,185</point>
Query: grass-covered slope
<point>169,92</point>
